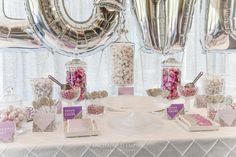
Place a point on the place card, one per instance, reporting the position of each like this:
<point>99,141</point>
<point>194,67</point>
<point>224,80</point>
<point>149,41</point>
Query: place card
<point>72,112</point>
<point>7,131</point>
<point>175,110</point>
<point>44,122</point>
<point>126,91</point>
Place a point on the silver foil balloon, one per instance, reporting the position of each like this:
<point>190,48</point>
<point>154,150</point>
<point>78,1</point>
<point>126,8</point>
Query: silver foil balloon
<point>164,24</point>
<point>16,33</point>
<point>220,25</point>
<point>58,31</point>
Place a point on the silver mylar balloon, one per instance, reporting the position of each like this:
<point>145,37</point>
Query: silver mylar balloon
<point>220,25</point>
<point>16,33</point>
<point>58,31</point>
<point>164,24</point>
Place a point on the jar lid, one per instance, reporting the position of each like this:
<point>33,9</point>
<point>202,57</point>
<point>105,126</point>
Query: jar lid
<point>76,63</point>
<point>8,97</point>
<point>171,62</point>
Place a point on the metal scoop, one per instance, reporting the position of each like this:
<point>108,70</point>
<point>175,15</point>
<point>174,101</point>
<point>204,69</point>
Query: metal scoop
<point>63,86</point>
<point>192,84</point>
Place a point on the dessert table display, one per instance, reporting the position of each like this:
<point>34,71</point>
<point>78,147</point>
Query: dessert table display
<point>99,125</point>
<point>165,138</point>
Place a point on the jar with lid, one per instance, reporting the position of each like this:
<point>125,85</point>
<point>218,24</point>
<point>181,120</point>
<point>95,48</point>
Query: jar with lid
<point>213,84</point>
<point>41,87</point>
<point>171,77</point>
<point>123,63</point>
<point>76,76</point>
<point>12,109</point>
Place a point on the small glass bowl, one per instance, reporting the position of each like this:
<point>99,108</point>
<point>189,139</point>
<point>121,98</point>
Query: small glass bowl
<point>70,95</point>
<point>188,91</point>
<point>94,109</point>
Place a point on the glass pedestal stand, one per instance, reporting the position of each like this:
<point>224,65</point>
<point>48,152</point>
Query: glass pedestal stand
<point>134,114</point>
<point>135,122</point>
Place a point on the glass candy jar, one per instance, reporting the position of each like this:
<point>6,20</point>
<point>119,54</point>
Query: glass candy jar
<point>213,84</point>
<point>123,63</point>
<point>12,110</point>
<point>171,77</point>
<point>42,87</point>
<point>76,76</point>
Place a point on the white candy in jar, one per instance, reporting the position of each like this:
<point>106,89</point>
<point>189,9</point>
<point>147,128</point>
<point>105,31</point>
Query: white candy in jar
<point>42,87</point>
<point>213,84</point>
<point>123,68</point>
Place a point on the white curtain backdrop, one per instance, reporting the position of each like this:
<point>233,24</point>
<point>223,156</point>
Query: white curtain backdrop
<point>19,66</point>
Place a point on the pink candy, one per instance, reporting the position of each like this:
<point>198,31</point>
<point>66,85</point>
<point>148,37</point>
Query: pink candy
<point>77,78</point>
<point>201,120</point>
<point>95,109</point>
<point>69,94</point>
<point>187,91</point>
<point>171,78</point>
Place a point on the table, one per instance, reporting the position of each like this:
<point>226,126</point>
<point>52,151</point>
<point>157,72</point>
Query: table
<point>169,140</point>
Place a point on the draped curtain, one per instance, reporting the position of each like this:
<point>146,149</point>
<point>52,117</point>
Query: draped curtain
<point>19,66</point>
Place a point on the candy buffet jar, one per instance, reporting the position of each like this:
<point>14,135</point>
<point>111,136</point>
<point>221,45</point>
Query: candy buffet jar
<point>76,76</point>
<point>213,84</point>
<point>12,110</point>
<point>171,77</point>
<point>95,107</point>
<point>41,87</point>
<point>212,111</point>
<point>123,64</point>
<point>188,93</point>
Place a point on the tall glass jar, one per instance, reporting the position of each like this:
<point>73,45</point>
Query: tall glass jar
<point>123,64</point>
<point>171,77</point>
<point>76,75</point>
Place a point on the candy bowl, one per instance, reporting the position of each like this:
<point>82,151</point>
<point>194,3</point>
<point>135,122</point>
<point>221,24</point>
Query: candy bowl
<point>188,93</point>
<point>70,95</point>
<point>14,114</point>
<point>95,109</point>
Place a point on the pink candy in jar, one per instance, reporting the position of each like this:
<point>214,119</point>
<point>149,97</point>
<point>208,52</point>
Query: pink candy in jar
<point>76,76</point>
<point>171,78</point>
<point>187,91</point>
<point>70,94</point>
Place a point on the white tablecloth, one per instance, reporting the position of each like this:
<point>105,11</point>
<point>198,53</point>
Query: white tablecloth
<point>169,140</point>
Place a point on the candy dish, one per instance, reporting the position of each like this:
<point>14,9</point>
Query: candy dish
<point>80,128</point>
<point>14,114</point>
<point>70,95</point>
<point>196,122</point>
<point>188,93</point>
<point>95,109</point>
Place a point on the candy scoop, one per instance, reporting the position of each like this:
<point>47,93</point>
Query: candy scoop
<point>192,84</point>
<point>63,86</point>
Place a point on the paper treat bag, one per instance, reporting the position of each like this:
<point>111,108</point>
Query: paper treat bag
<point>44,122</point>
<point>227,116</point>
